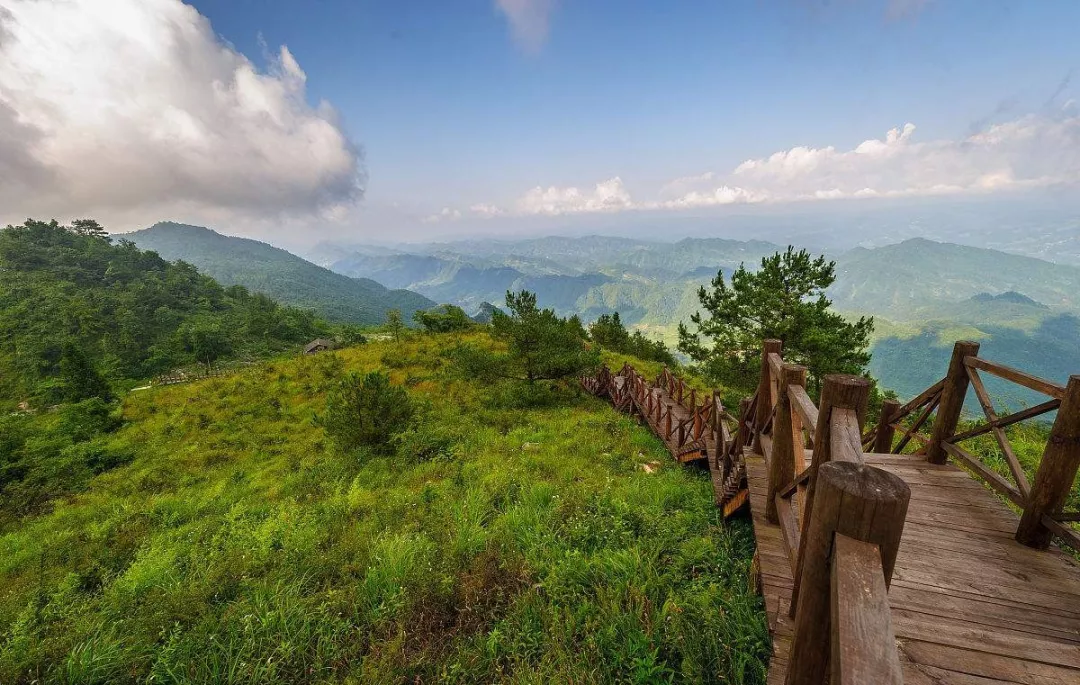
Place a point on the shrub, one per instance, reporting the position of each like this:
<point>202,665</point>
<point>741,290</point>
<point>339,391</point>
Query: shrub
<point>366,411</point>
<point>445,318</point>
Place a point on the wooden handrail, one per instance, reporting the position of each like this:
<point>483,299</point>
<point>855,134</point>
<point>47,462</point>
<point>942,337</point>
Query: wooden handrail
<point>802,403</point>
<point>999,434</point>
<point>1002,422</point>
<point>869,505</point>
<point>862,636</point>
<point>993,478</point>
<point>776,364</point>
<point>1016,376</point>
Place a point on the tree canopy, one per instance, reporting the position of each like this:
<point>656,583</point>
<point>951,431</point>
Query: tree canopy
<point>785,299</point>
<point>608,331</point>
<point>445,318</point>
<point>79,310</point>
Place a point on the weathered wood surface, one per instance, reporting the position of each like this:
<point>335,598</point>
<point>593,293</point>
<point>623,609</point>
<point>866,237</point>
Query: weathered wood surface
<point>969,604</point>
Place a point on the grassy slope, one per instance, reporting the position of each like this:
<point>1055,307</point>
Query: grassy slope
<point>238,547</point>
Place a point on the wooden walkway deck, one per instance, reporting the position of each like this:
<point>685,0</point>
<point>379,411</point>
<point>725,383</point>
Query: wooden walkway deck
<point>970,605</point>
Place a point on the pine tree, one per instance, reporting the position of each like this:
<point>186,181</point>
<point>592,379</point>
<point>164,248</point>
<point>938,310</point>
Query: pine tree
<point>785,300</point>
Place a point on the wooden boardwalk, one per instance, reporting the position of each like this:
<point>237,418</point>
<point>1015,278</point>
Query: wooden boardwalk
<point>970,605</point>
<point>977,596</point>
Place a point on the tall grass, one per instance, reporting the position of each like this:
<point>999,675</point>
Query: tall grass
<point>497,544</point>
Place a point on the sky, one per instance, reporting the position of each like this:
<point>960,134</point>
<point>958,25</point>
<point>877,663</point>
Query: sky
<point>302,120</point>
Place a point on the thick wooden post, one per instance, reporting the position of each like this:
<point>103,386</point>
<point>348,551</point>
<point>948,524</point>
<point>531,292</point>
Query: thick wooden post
<point>952,400</point>
<point>681,435</point>
<point>1057,470</point>
<point>782,464</point>
<point>764,390</point>
<point>667,425</point>
<point>863,503</point>
<point>838,391</point>
<point>884,438</point>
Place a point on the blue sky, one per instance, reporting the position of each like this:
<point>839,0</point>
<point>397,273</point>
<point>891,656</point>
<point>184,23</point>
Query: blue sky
<point>488,115</point>
<point>448,105</point>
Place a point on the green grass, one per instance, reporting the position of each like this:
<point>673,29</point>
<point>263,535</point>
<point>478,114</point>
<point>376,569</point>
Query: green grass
<point>518,545</point>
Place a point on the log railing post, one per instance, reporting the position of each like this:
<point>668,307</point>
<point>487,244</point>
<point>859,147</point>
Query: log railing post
<point>838,391</point>
<point>864,503</point>
<point>1057,470</point>
<point>764,391</point>
<point>782,464</point>
<point>952,400</point>
<point>883,439</point>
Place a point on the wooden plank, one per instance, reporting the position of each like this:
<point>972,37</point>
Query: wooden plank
<point>999,433</point>
<point>863,642</point>
<point>1063,531</point>
<point>1002,422</point>
<point>1016,376</point>
<point>919,400</point>
<point>921,674</point>
<point>984,664</point>
<point>990,476</point>
<point>912,431</point>
<point>999,641</point>
<point>805,407</point>
<point>789,529</point>
<point>1014,616</point>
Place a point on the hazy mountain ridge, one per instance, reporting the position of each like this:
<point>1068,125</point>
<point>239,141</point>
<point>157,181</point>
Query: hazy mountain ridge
<point>901,281</point>
<point>924,294</point>
<point>261,267</point>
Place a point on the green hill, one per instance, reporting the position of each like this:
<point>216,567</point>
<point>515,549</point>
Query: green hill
<point>909,279</point>
<point>281,275</point>
<point>75,305</point>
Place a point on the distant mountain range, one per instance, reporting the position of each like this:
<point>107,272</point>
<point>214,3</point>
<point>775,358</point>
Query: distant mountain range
<point>923,294</point>
<point>281,275</point>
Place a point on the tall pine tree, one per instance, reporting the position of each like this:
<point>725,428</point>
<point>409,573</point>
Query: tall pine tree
<point>785,299</point>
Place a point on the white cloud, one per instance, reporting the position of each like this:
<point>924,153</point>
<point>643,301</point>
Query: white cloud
<point>529,20</point>
<point>486,210</point>
<point>139,110</point>
<point>1029,152</point>
<point>724,195</point>
<point>446,214</point>
<point>607,196</point>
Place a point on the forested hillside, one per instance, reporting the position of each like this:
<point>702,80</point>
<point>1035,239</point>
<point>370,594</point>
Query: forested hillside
<point>274,272</point>
<point>77,307</point>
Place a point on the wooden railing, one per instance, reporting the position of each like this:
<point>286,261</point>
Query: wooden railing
<point>840,522</point>
<point>1041,502</point>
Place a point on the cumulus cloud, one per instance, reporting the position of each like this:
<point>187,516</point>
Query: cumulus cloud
<point>1029,152</point>
<point>142,110</point>
<point>607,196</point>
<point>529,21</point>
